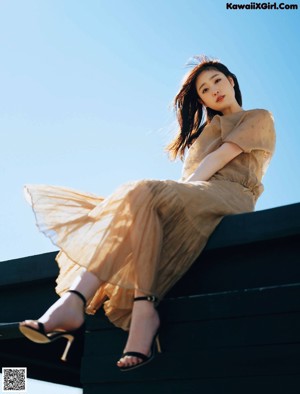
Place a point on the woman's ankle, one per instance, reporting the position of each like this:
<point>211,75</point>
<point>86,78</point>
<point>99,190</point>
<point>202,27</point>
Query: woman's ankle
<point>86,284</point>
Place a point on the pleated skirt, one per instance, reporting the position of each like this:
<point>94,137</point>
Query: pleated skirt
<point>143,236</point>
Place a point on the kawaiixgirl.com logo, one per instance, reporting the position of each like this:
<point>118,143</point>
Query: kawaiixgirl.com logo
<point>261,6</point>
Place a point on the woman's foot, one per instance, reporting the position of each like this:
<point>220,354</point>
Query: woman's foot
<point>65,314</point>
<point>144,325</point>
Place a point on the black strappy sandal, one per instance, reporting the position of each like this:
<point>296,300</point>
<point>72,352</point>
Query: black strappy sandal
<point>155,346</point>
<point>39,335</point>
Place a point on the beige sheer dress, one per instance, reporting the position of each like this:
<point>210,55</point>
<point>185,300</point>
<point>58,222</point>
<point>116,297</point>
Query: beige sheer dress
<point>148,233</point>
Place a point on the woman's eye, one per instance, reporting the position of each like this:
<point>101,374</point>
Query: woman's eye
<point>204,90</point>
<point>217,80</point>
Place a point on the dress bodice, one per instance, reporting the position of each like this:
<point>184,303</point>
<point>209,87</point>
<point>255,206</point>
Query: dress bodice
<point>253,131</point>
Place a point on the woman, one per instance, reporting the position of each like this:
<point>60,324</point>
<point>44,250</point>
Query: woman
<point>135,244</point>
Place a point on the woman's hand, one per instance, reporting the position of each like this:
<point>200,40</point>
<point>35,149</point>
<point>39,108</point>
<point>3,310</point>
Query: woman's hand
<point>214,161</point>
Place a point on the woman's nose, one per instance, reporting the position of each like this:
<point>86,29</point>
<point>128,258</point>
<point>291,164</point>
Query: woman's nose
<point>215,92</point>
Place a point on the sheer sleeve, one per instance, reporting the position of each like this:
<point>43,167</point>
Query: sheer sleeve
<point>254,131</point>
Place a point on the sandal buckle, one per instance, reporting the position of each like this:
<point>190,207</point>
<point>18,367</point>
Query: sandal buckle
<point>151,298</point>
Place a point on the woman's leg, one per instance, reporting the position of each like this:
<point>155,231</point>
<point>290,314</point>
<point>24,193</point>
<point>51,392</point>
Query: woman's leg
<point>67,313</point>
<point>144,325</point>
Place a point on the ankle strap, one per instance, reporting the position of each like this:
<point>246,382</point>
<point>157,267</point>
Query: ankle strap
<point>79,295</point>
<point>150,298</point>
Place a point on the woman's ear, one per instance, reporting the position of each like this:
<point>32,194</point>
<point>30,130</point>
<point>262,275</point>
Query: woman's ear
<point>230,79</point>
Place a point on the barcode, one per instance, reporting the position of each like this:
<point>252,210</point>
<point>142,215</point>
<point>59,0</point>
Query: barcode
<point>14,379</point>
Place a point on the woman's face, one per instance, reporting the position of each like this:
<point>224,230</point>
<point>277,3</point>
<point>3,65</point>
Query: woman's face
<point>216,91</point>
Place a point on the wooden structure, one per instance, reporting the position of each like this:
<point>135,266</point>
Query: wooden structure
<point>230,325</point>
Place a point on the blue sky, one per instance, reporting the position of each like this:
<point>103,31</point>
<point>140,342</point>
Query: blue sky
<point>37,387</point>
<point>86,89</point>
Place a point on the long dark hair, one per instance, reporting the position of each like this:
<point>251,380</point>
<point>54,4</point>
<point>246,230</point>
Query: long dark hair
<point>193,116</point>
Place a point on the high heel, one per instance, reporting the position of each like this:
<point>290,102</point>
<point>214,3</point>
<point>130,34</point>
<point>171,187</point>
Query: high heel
<point>155,346</point>
<point>39,335</point>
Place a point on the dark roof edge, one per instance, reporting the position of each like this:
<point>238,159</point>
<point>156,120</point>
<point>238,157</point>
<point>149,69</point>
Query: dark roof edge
<point>258,226</point>
<point>234,230</point>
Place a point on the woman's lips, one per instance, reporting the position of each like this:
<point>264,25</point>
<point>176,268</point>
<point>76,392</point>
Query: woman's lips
<point>220,98</point>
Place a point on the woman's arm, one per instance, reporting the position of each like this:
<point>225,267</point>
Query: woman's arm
<point>214,161</point>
